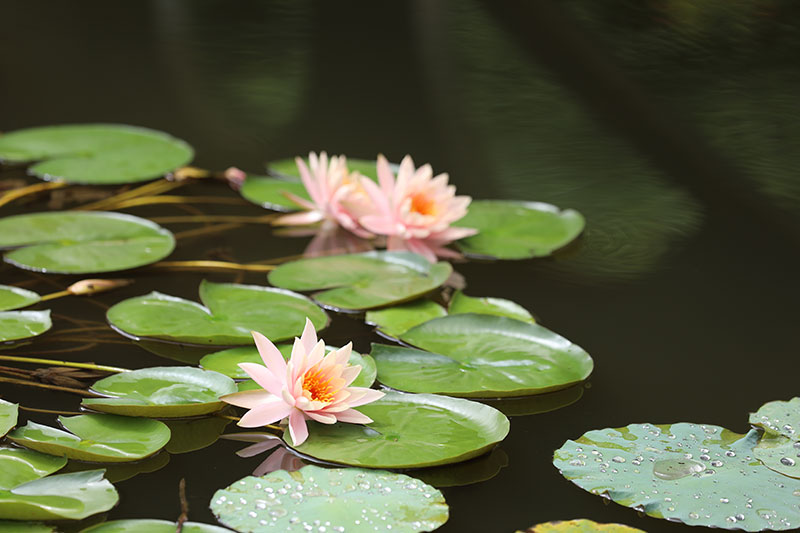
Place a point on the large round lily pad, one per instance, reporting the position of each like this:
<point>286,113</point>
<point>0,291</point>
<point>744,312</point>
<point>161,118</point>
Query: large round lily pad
<point>701,475</point>
<point>8,416</point>
<point>95,437</point>
<point>227,362</point>
<point>338,499</point>
<point>95,153</point>
<point>580,525</point>
<point>73,242</point>
<point>230,312</point>
<point>16,325</point>
<point>362,281</point>
<point>518,230</point>
<point>161,392</point>
<point>63,496</point>
<point>16,297</point>
<point>779,418</point>
<point>408,431</point>
<point>19,465</point>
<point>482,356</point>
<point>146,525</point>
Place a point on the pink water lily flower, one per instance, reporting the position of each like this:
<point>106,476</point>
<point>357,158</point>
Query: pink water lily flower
<point>337,196</point>
<point>415,210</point>
<point>311,386</point>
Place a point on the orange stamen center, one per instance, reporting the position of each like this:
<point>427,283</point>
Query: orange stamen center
<point>319,389</point>
<point>423,204</point>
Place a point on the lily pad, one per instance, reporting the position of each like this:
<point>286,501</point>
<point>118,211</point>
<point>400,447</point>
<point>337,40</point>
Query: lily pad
<point>194,434</point>
<point>145,525</point>
<point>408,431</point>
<point>779,454</point>
<point>18,466</point>
<point>13,526</point>
<point>362,281</point>
<point>518,230</point>
<point>701,475</point>
<point>8,416</point>
<point>344,499</point>
<point>396,320</point>
<point>461,303</point>
<point>779,418</point>
<point>481,356</point>
<point>580,525</point>
<point>287,168</point>
<point>95,437</point>
<point>63,496</point>
<point>16,325</point>
<point>161,392</point>
<point>15,297</point>
<point>98,154</point>
<point>231,312</point>
<point>73,242</point>
<point>269,192</point>
<point>227,362</point>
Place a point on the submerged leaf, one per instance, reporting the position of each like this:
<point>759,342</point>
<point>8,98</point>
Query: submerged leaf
<point>362,281</point>
<point>581,525</point>
<point>701,475</point>
<point>95,153</point>
<point>95,437</point>
<point>161,392</point>
<point>71,242</point>
<point>230,313</point>
<point>345,499</point>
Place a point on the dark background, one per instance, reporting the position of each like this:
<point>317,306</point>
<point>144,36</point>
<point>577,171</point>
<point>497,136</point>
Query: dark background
<point>672,125</point>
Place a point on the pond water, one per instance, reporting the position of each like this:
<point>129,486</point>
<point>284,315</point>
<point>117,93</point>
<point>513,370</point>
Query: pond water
<point>672,126</point>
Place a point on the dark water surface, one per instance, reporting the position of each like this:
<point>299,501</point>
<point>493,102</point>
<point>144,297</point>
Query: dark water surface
<point>673,126</point>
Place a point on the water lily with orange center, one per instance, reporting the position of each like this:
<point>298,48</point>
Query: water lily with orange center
<point>311,386</point>
<point>415,210</point>
<point>336,193</point>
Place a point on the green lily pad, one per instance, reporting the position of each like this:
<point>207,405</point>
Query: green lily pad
<point>8,416</point>
<point>227,362</point>
<point>98,154</point>
<point>145,525</point>
<point>95,437</point>
<point>779,454</point>
<point>518,230</point>
<point>161,392</point>
<point>269,192</point>
<point>231,312</point>
<point>13,526</point>
<point>700,475</point>
<point>779,418</point>
<point>580,525</point>
<point>63,496</point>
<point>349,499</point>
<point>194,434</point>
<point>362,281</point>
<point>74,242</point>
<point>461,303</point>
<point>18,466</point>
<point>16,325</point>
<point>287,168</point>
<point>15,297</point>
<point>408,431</point>
<point>396,320</point>
<point>481,356</point>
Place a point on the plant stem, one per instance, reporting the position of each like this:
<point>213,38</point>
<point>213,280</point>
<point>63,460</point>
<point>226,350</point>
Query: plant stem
<point>150,200</point>
<point>264,219</point>
<point>51,387</point>
<point>53,362</point>
<point>154,187</point>
<point>211,265</point>
<point>14,194</point>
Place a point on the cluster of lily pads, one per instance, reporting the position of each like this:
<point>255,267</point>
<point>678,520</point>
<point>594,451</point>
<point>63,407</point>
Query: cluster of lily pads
<point>442,348</point>
<point>698,474</point>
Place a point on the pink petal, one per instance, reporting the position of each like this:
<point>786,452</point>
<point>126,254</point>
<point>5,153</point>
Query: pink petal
<point>314,356</point>
<point>350,373</point>
<point>271,356</point>
<point>353,417</point>
<point>378,224</point>
<point>370,395</point>
<point>309,336</point>
<point>453,234</point>
<point>297,427</point>
<point>380,201</point>
<point>322,418</point>
<point>302,202</point>
<point>266,413</point>
<point>342,355</point>
<point>385,176</point>
<point>298,219</point>
<point>309,182</point>
<point>263,377</point>
<point>259,447</point>
<point>248,399</point>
